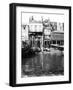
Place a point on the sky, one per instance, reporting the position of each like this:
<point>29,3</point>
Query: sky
<point>52,16</point>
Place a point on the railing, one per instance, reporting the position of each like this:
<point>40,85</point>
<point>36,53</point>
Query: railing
<point>60,47</point>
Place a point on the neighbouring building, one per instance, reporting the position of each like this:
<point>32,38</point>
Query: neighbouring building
<point>57,39</point>
<point>57,36</point>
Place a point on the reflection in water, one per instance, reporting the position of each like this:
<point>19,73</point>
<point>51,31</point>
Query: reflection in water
<point>43,63</point>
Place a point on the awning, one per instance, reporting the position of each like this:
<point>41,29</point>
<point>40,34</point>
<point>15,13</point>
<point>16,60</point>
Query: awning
<point>57,35</point>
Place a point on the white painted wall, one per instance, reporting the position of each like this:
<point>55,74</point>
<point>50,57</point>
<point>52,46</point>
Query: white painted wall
<point>25,33</point>
<point>38,28</point>
<point>4,45</point>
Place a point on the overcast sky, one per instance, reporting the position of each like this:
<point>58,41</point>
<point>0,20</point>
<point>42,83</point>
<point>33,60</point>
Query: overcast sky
<point>37,16</point>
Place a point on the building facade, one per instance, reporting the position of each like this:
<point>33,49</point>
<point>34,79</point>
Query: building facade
<point>42,34</point>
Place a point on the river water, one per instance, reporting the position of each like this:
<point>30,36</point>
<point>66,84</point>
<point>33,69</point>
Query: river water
<point>44,64</point>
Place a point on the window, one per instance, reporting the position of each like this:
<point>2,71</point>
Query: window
<point>54,42</point>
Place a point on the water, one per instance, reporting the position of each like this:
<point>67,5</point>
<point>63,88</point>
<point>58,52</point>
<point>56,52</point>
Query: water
<point>44,64</point>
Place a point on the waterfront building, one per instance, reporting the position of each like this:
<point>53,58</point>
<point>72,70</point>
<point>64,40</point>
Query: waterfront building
<point>57,39</point>
<point>42,34</point>
<point>36,33</point>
